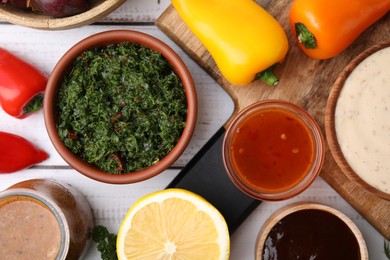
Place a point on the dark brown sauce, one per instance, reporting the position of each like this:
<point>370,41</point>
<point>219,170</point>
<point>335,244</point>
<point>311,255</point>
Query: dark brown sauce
<point>311,235</point>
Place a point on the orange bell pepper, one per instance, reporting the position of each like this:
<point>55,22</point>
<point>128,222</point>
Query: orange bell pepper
<point>325,28</point>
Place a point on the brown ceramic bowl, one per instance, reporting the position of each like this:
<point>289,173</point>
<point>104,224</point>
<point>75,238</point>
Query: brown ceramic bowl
<point>101,40</point>
<point>310,229</point>
<point>354,105</point>
<point>99,9</point>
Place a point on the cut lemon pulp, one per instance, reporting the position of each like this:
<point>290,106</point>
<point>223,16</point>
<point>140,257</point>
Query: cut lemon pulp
<point>173,224</point>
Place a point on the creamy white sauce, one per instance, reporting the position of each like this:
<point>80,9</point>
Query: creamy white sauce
<point>362,120</point>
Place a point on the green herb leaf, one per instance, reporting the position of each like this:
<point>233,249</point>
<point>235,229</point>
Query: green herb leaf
<point>106,242</point>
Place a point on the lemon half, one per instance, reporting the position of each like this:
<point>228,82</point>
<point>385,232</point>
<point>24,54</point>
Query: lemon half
<point>173,224</point>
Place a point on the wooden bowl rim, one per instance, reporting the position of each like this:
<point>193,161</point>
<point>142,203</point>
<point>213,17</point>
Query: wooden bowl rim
<point>298,206</point>
<point>330,129</point>
<point>44,22</point>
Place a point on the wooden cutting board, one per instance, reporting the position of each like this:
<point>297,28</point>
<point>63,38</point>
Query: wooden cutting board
<point>304,81</point>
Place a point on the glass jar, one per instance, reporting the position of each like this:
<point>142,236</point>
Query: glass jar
<point>44,219</point>
<point>273,150</point>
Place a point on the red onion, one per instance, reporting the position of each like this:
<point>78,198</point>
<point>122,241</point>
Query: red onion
<point>54,8</point>
<point>61,8</point>
<point>22,4</point>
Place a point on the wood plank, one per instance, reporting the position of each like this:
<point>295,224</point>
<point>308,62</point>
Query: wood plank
<point>133,11</point>
<point>303,81</point>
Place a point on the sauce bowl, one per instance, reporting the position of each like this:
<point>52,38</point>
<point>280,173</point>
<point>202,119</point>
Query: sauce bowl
<point>273,150</point>
<point>65,65</point>
<point>356,121</point>
<point>308,230</point>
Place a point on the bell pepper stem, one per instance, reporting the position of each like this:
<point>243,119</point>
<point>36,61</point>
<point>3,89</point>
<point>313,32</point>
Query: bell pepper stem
<point>305,36</point>
<point>386,247</point>
<point>34,104</point>
<point>268,76</point>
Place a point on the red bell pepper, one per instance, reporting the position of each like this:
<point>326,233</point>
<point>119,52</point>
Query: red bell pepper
<point>21,86</point>
<point>17,153</point>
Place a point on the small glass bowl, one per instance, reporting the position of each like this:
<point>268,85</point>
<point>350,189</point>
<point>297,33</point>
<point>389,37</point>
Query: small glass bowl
<point>312,129</point>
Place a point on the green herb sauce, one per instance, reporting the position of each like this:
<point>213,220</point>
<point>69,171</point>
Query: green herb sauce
<point>121,108</point>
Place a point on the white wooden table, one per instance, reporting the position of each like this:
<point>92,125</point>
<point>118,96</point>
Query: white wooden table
<point>111,202</point>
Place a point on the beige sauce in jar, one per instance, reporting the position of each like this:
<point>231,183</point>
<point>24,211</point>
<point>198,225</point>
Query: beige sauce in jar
<point>362,120</point>
<point>28,229</point>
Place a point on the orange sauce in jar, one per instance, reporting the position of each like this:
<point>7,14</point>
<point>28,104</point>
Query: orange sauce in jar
<point>272,150</point>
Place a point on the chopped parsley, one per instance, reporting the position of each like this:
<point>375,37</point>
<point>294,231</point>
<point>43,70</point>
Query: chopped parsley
<point>121,108</point>
<point>106,242</point>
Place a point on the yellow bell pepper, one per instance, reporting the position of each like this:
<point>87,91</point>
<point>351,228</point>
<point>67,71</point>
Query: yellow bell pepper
<point>245,41</point>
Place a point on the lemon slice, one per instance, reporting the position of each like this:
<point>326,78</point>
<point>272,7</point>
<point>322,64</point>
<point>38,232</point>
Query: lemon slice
<point>173,224</point>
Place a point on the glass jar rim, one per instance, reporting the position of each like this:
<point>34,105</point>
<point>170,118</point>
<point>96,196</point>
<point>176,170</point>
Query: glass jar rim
<point>311,125</point>
<point>53,207</point>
